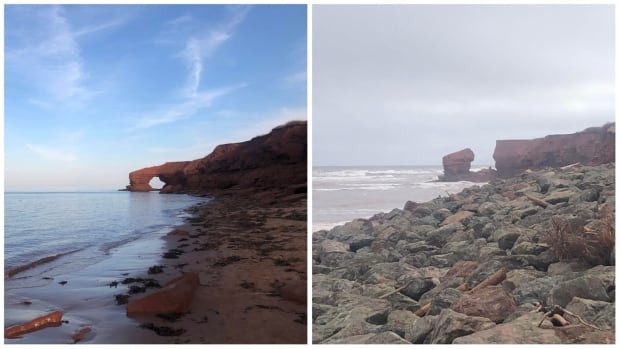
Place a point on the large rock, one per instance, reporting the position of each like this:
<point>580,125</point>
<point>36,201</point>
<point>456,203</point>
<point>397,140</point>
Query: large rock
<point>401,322</point>
<point>451,325</point>
<point>460,269</point>
<point>417,287</point>
<point>589,287</point>
<point>333,253</point>
<point>599,313</point>
<point>592,146</point>
<point>457,217</point>
<point>491,302</point>
<point>175,297</point>
<point>536,289</point>
<point>353,315</point>
<point>443,300</point>
<point>456,167</point>
<point>265,161</point>
<point>523,330</point>
<point>371,338</point>
<point>582,334</point>
<point>457,163</point>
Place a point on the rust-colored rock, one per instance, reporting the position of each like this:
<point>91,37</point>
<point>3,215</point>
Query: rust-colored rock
<point>457,165</point>
<point>50,320</point>
<point>81,334</point>
<point>491,302</point>
<point>456,218</point>
<point>581,334</point>
<point>593,146</point>
<point>460,268</point>
<point>492,280</point>
<point>175,297</point>
<point>274,160</point>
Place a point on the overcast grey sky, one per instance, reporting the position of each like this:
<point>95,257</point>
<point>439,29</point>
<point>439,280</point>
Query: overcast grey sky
<point>407,84</point>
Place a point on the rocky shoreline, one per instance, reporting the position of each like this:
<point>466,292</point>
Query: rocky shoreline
<point>543,238</point>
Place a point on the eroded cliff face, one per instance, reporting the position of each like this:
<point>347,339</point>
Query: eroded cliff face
<point>592,146</point>
<point>274,160</point>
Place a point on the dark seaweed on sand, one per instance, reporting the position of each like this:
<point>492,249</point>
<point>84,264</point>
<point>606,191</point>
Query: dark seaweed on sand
<point>173,253</point>
<point>133,289</point>
<point>146,283</point>
<point>228,260</point>
<point>156,269</point>
<point>163,330</point>
<point>121,299</point>
<point>171,317</point>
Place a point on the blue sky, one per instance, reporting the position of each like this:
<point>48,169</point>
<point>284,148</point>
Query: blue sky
<point>94,92</point>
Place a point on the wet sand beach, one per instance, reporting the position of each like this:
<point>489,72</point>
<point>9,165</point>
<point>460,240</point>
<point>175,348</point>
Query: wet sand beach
<point>248,250</point>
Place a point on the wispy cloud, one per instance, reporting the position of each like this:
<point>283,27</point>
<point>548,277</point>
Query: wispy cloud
<point>196,49</point>
<point>99,27</point>
<point>199,47</point>
<point>51,153</point>
<point>183,109</point>
<point>45,52</point>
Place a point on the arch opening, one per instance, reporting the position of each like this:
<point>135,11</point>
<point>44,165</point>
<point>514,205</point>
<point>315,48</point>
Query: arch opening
<point>156,183</point>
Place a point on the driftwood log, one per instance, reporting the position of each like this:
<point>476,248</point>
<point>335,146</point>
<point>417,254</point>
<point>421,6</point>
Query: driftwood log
<point>560,318</point>
<point>423,310</point>
<point>540,202</point>
<point>463,287</point>
<point>492,280</point>
<point>50,320</point>
<point>396,290</point>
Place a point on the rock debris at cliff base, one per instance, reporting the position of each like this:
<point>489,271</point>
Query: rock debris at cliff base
<point>443,248</point>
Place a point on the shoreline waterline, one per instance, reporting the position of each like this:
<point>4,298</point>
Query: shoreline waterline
<point>344,193</point>
<point>78,283</point>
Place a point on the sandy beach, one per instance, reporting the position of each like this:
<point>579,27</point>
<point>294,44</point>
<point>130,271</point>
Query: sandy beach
<point>250,255</point>
<point>248,250</point>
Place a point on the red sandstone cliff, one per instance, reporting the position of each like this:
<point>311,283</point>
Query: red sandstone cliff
<point>274,160</point>
<point>593,146</point>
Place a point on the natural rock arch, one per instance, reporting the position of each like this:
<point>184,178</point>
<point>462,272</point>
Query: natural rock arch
<point>139,180</point>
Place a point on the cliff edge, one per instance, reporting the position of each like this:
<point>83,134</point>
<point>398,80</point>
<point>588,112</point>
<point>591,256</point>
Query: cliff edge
<point>275,160</point>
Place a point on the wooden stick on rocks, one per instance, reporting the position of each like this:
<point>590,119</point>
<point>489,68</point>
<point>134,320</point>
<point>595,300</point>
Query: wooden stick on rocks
<point>396,290</point>
<point>423,310</point>
<point>540,202</point>
<point>559,319</point>
<point>463,287</point>
<point>571,165</point>
<point>492,280</point>
<point>580,319</point>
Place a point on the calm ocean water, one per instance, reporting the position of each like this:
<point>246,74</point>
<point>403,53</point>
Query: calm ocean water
<point>341,194</point>
<point>38,225</point>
